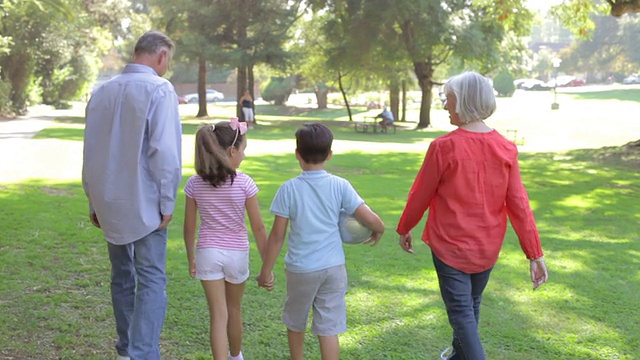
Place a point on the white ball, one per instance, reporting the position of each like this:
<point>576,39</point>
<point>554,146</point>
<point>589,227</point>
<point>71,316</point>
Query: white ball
<point>351,230</point>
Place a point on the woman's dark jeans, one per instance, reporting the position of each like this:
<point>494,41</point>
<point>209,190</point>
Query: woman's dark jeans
<point>462,294</point>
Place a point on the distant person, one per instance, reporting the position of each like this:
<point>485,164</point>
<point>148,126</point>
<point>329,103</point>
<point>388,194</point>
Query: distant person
<point>247,109</point>
<point>221,194</point>
<point>470,182</point>
<point>310,205</point>
<point>131,172</point>
<point>387,118</point>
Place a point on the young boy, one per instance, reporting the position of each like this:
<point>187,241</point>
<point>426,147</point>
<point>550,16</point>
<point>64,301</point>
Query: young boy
<point>314,263</point>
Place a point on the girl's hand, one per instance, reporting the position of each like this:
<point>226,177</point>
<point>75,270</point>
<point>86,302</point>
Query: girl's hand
<point>192,268</point>
<point>266,280</point>
<point>539,274</point>
<point>405,243</point>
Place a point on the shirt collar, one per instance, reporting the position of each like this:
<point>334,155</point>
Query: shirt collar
<point>313,173</point>
<point>139,68</point>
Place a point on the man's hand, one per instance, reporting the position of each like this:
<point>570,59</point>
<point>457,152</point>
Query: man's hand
<point>94,219</point>
<point>166,219</point>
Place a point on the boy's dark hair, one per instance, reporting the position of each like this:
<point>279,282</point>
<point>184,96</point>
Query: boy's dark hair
<point>313,143</point>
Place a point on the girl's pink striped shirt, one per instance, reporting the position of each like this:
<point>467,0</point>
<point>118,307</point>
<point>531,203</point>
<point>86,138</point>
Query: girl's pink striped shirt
<point>222,211</point>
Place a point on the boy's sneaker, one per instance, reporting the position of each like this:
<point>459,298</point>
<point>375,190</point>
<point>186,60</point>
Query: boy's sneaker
<point>120,357</point>
<point>445,354</point>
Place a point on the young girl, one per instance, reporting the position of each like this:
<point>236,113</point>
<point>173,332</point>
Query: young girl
<point>220,259</point>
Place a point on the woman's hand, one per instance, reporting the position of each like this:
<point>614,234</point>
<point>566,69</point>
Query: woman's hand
<point>539,273</point>
<point>405,243</point>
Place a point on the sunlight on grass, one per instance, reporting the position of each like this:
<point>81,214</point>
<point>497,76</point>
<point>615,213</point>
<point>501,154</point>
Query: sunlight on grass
<point>577,201</point>
<point>55,288</point>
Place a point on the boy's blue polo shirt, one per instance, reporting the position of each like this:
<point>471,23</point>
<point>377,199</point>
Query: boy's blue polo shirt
<point>312,203</point>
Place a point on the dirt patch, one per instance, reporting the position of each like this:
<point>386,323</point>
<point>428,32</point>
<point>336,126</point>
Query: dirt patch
<point>57,191</point>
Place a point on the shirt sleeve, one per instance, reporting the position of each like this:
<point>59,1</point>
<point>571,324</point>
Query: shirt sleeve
<point>188,188</point>
<point>165,146</point>
<point>251,189</point>
<point>423,189</point>
<point>281,204</point>
<point>351,200</point>
<point>521,215</point>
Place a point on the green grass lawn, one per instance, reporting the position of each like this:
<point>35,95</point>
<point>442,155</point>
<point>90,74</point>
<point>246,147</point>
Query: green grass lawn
<point>54,293</point>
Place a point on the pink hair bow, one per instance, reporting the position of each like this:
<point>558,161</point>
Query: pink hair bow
<point>238,126</point>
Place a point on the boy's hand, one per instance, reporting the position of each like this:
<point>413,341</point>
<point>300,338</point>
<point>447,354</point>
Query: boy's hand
<point>405,243</point>
<point>266,280</point>
<point>94,219</point>
<point>374,239</point>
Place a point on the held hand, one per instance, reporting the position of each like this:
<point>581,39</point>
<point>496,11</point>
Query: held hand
<point>266,280</point>
<point>539,273</point>
<point>166,219</point>
<point>405,243</point>
<point>94,219</point>
<point>374,239</point>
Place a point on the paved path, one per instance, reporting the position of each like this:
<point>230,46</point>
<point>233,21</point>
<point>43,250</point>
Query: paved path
<point>21,158</point>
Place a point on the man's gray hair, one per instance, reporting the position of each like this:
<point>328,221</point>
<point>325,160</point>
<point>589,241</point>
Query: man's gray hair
<point>475,100</point>
<point>152,42</point>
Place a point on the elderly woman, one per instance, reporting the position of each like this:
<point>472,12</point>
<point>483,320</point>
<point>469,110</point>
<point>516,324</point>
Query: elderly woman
<point>470,182</point>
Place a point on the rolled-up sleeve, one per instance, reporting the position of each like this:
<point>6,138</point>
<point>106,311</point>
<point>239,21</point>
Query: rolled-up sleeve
<point>422,191</point>
<point>521,215</point>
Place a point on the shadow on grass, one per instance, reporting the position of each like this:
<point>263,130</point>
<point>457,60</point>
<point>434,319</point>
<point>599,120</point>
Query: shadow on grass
<point>55,286</point>
<point>274,130</point>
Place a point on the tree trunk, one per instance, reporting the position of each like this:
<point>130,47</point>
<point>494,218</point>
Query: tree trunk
<point>321,90</point>
<point>394,97</point>
<point>621,7</point>
<point>404,101</point>
<point>344,95</point>
<point>202,87</point>
<point>250,86</point>
<point>424,73</point>
<point>17,69</point>
<point>240,89</point>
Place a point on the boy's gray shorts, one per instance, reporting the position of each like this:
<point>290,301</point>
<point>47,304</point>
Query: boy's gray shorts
<point>325,290</point>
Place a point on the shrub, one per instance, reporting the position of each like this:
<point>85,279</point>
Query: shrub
<point>277,89</point>
<point>503,83</point>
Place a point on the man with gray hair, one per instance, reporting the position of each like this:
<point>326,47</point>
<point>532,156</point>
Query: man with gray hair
<point>131,172</point>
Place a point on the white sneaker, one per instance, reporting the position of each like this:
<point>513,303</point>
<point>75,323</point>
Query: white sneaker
<point>443,356</point>
<point>120,357</point>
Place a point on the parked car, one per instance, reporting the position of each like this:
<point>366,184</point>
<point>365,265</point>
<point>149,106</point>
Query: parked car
<point>632,79</point>
<point>532,85</point>
<point>212,96</point>
<point>182,100</point>
<point>577,82</point>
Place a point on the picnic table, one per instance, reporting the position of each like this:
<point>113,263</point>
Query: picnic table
<point>371,123</point>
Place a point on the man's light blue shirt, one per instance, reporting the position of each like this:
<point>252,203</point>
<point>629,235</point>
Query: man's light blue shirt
<point>312,203</point>
<point>132,153</point>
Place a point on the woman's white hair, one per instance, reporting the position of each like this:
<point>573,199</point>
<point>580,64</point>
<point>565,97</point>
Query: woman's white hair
<point>475,100</point>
